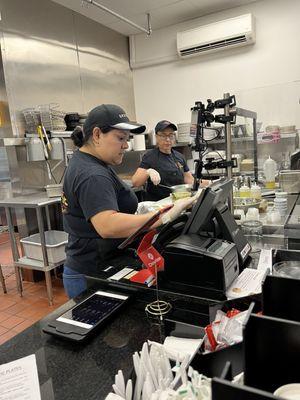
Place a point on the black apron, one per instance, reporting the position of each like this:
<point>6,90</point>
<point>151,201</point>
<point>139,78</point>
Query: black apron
<point>168,178</point>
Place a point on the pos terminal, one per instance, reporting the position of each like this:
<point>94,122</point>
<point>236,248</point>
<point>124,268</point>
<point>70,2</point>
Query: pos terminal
<point>211,249</point>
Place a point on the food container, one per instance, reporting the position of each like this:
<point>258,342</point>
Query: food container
<point>245,202</point>
<point>54,190</point>
<point>289,181</point>
<point>181,188</point>
<point>247,165</point>
<point>181,191</point>
<point>287,269</point>
<point>55,246</point>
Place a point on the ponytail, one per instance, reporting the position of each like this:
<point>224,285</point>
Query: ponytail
<point>78,136</point>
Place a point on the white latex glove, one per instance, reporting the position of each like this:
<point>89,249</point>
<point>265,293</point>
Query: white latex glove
<point>154,176</point>
<point>179,206</point>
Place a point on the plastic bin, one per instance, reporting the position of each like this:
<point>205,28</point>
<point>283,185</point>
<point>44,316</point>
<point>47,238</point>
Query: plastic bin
<point>55,245</point>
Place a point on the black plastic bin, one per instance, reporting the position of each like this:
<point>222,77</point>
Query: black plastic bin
<point>271,352</point>
<point>223,390</point>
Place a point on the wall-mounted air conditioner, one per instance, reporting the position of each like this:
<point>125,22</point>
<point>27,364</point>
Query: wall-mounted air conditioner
<point>232,32</point>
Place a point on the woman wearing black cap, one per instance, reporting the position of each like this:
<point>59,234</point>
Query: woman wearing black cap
<point>162,165</point>
<point>98,207</point>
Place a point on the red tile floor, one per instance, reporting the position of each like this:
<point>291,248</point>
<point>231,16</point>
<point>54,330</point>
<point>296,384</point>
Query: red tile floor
<point>17,313</point>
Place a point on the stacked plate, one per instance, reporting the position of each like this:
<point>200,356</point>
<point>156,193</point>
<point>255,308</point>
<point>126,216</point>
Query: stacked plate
<point>183,132</point>
<point>288,129</point>
<point>272,128</point>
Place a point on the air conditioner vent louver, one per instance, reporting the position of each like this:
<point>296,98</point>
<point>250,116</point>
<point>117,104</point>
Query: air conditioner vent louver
<point>214,45</point>
<point>233,32</point>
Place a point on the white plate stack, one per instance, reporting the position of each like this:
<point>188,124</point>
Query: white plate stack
<point>183,132</point>
<point>286,130</point>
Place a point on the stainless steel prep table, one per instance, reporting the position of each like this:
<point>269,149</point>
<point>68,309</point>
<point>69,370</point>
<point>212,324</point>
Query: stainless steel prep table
<point>37,201</point>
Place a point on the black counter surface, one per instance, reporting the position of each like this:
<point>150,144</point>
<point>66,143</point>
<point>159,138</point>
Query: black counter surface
<point>83,371</point>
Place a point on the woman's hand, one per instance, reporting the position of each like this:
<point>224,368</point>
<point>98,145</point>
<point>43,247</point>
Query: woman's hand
<point>179,206</point>
<point>154,176</point>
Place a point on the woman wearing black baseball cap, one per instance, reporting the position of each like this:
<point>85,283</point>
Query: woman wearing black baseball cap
<point>162,165</point>
<point>98,207</point>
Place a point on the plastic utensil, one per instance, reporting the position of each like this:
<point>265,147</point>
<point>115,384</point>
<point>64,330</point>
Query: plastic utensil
<point>128,391</point>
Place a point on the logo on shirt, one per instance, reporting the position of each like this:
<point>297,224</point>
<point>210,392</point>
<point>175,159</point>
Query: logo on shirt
<point>64,204</point>
<point>179,165</point>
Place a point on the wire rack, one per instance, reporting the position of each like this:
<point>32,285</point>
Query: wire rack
<point>48,115</point>
<point>32,119</point>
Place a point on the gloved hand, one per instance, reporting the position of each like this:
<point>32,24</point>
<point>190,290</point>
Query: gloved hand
<point>179,206</point>
<point>154,176</point>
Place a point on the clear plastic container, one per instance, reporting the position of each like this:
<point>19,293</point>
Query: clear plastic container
<point>244,191</point>
<point>236,192</point>
<point>255,192</point>
<point>253,232</point>
<point>288,269</point>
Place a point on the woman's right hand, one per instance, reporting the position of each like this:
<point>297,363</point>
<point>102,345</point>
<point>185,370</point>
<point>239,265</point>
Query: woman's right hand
<point>154,176</point>
<point>179,207</point>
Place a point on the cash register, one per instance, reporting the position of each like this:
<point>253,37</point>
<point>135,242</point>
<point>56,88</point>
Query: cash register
<point>211,249</point>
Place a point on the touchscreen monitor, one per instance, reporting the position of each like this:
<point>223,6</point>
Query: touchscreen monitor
<point>92,310</point>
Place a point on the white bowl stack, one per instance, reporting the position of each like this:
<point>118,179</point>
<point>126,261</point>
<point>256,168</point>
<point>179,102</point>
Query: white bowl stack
<point>280,203</point>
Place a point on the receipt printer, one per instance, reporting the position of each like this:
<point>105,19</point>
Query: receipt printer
<point>201,261</point>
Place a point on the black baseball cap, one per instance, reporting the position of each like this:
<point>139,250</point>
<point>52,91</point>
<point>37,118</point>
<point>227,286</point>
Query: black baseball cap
<point>161,125</point>
<point>112,116</point>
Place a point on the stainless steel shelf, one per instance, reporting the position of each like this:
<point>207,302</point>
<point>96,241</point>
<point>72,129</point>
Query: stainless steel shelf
<point>250,139</point>
<point>31,200</point>
<point>29,263</point>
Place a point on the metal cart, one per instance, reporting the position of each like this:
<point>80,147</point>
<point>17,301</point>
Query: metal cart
<point>37,201</point>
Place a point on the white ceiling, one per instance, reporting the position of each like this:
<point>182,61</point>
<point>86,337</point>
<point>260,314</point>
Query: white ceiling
<point>163,12</point>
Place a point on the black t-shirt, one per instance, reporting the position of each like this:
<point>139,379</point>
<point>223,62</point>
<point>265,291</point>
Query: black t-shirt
<point>91,186</point>
<point>171,168</point>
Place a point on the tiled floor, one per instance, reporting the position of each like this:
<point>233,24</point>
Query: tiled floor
<point>17,313</point>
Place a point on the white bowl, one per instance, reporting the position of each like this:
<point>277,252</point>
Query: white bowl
<point>290,391</point>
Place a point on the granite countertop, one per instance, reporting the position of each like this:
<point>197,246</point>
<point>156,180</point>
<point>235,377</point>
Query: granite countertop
<point>82,371</point>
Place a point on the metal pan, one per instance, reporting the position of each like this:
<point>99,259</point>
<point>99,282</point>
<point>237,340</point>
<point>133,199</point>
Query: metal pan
<point>178,188</point>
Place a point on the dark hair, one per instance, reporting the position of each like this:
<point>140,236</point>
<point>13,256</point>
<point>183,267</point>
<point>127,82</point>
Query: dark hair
<point>81,136</point>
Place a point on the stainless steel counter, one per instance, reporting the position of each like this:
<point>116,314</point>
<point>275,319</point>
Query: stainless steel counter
<point>30,200</point>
